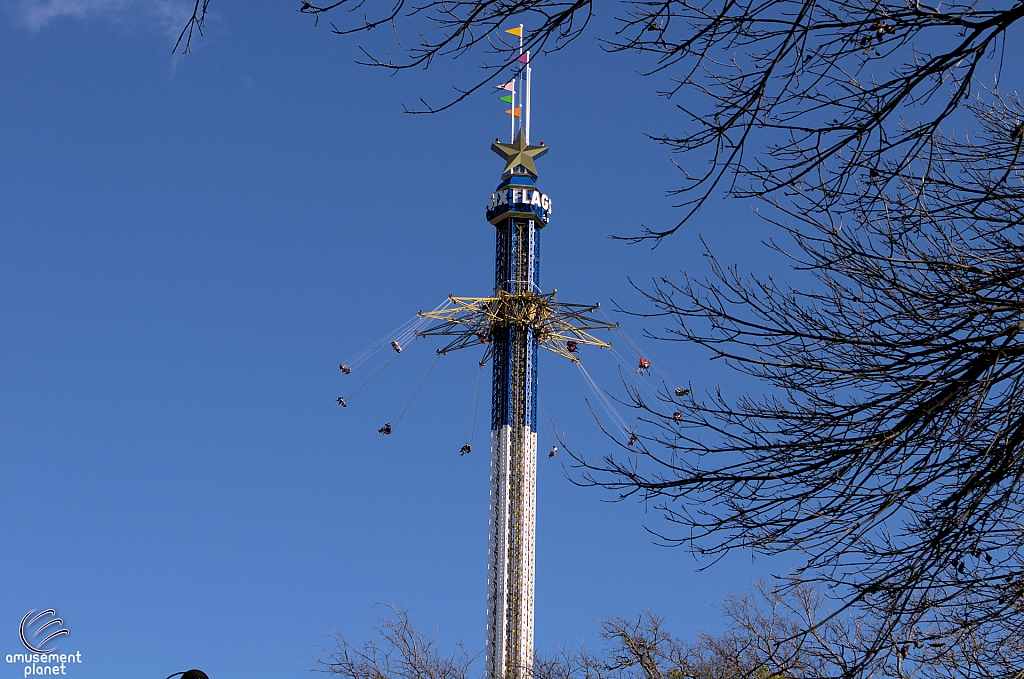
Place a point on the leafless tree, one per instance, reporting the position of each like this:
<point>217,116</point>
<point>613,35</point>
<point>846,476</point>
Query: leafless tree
<point>775,632</point>
<point>888,447</point>
<point>400,651</point>
<point>770,633</point>
<point>766,636</point>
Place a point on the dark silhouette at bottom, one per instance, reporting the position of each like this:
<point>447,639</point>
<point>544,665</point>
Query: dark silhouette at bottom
<point>191,674</point>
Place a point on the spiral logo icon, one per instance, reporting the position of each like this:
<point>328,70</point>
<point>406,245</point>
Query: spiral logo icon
<point>34,626</point>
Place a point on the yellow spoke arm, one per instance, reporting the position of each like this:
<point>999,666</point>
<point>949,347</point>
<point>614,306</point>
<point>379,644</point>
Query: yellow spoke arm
<point>471,320</point>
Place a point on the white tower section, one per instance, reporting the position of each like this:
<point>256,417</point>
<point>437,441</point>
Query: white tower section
<point>511,548</point>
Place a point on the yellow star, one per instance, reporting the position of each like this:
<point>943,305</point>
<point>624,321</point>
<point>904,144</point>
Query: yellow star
<point>518,153</point>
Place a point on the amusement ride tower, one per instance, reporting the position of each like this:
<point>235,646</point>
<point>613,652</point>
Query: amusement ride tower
<point>514,322</point>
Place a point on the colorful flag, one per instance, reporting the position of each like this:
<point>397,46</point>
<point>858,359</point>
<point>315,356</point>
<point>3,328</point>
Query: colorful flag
<point>523,59</point>
<point>514,112</point>
<point>510,86</point>
<point>507,99</point>
<point>517,31</point>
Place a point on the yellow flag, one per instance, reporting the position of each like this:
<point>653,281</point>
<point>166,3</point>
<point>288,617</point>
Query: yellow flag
<point>517,31</point>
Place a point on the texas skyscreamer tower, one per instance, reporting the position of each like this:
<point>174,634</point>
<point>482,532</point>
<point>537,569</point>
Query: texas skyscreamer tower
<point>515,322</point>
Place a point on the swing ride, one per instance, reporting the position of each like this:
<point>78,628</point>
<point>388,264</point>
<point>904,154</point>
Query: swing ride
<point>512,325</point>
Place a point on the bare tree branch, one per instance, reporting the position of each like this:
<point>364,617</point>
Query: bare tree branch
<point>401,651</point>
<point>777,97</point>
<point>888,449</point>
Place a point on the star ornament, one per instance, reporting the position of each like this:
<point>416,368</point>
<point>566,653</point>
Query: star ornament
<point>518,153</point>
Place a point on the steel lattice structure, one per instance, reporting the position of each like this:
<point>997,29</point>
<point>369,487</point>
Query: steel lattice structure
<point>514,322</point>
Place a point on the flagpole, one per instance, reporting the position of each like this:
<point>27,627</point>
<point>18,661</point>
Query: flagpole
<point>522,101</point>
<point>528,70</point>
<point>522,93</point>
<point>512,134</point>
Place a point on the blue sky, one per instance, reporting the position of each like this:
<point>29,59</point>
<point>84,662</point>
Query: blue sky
<point>189,245</point>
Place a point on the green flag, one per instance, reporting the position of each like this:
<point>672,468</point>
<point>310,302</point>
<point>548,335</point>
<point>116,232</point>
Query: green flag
<point>507,99</point>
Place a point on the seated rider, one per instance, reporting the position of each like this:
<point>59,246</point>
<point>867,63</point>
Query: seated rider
<point>645,367</point>
<point>466,448</point>
<point>345,369</point>
<point>571,347</point>
<point>341,402</point>
<point>386,429</point>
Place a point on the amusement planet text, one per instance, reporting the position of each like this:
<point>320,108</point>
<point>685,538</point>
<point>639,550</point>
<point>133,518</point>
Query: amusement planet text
<point>37,664</point>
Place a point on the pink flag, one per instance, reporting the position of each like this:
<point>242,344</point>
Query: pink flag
<point>525,58</point>
<point>508,87</point>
